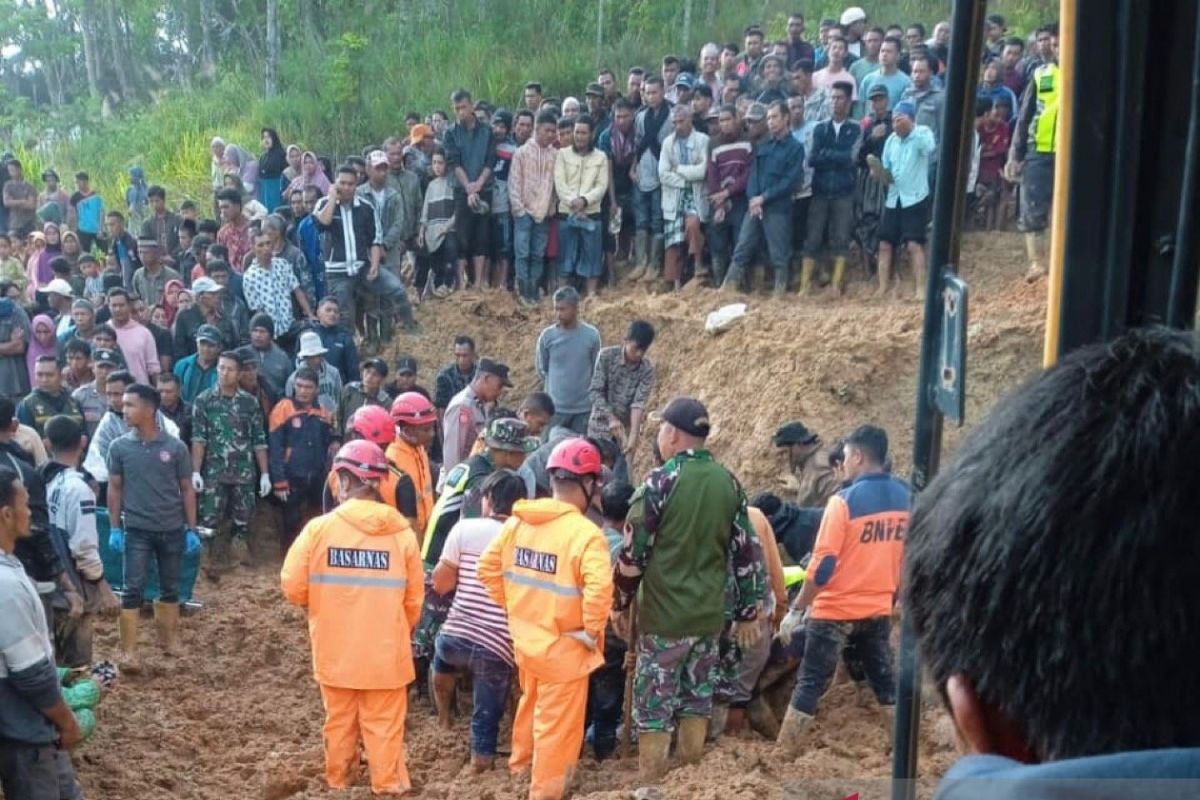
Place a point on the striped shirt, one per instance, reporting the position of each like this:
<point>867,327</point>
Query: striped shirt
<point>473,616</point>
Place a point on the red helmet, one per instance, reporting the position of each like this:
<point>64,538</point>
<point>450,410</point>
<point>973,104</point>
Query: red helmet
<point>413,408</point>
<point>577,456</point>
<point>363,459</point>
<point>373,424</point>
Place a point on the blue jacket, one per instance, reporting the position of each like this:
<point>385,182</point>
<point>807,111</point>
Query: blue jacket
<point>298,442</point>
<point>776,171</point>
<point>832,159</point>
<point>193,378</point>
<point>1171,774</point>
<point>343,353</point>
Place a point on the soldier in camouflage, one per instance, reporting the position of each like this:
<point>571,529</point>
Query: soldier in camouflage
<point>228,441</point>
<point>687,531</point>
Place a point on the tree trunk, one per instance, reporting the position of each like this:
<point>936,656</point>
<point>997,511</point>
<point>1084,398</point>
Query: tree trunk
<point>711,18</point>
<point>272,48</point>
<point>91,58</point>
<point>687,25</point>
<point>116,43</point>
<point>206,16</point>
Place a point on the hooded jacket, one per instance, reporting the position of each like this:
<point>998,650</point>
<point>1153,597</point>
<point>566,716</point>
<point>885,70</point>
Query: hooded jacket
<point>550,570</point>
<point>357,572</point>
<point>72,508</point>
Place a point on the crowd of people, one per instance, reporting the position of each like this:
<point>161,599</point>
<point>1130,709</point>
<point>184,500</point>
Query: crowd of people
<point>172,382</point>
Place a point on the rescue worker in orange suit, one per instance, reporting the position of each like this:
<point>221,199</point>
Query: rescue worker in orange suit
<point>550,569</point>
<point>851,584</point>
<point>374,424</point>
<point>357,571</point>
<point>415,421</point>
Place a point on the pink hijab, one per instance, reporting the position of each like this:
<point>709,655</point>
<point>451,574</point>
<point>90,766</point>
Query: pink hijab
<point>318,179</point>
<point>36,348</point>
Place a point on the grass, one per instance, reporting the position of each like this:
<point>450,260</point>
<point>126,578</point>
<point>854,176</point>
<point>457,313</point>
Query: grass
<point>356,87</point>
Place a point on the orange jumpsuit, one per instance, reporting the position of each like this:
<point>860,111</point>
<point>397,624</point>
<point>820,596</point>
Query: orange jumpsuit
<point>413,461</point>
<point>550,569</point>
<point>358,572</point>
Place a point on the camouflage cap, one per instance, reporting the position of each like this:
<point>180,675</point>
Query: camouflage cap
<point>510,433</point>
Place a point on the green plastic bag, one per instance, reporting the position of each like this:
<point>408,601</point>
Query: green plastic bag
<point>84,693</point>
<point>87,722</point>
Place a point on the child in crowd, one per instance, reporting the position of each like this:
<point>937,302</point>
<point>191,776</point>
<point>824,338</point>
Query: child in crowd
<point>991,192</point>
<point>436,235</point>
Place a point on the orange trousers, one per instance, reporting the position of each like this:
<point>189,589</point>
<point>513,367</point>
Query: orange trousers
<point>548,732</point>
<point>377,716</point>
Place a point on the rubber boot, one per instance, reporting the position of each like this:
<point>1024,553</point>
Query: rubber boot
<point>720,717</point>
<point>889,719</point>
<point>481,764</point>
<point>1033,250</point>
<point>129,633</point>
<point>719,268</point>
<point>641,255</point>
<point>733,280</point>
<point>762,719</point>
<point>791,731</point>
<point>443,698</point>
<point>736,722</point>
<point>166,621</point>
<point>807,267</point>
<point>654,267</point>
<point>653,747</point>
<point>839,274</point>
<point>690,746</point>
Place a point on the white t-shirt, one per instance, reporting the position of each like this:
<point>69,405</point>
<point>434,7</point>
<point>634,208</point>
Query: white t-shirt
<point>473,616</point>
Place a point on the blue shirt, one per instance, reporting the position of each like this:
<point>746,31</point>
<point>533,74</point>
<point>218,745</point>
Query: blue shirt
<point>895,84</point>
<point>90,211</point>
<point>907,159</point>
<point>194,378</point>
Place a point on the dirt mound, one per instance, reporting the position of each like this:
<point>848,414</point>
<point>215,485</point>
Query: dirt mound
<point>238,716</point>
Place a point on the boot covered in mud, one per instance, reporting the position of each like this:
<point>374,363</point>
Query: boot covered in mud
<point>128,661</point>
<point>692,731</point>
<point>762,719</point>
<point>792,731</point>
<point>655,263</point>
<point>641,255</point>
<point>720,717</point>
<point>166,621</point>
<point>653,749</point>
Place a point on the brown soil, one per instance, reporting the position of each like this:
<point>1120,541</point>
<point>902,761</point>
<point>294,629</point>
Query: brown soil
<point>238,716</point>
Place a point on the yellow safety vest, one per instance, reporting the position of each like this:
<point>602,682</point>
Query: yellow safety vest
<point>1046,84</point>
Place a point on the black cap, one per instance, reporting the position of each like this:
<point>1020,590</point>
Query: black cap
<point>794,433</point>
<point>406,365</point>
<point>246,355</point>
<point>687,414</point>
<point>594,89</point>
<point>876,90</point>
<point>497,368</point>
<point>377,364</point>
<point>105,356</point>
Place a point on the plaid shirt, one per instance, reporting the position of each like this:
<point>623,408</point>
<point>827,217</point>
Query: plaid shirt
<point>617,388</point>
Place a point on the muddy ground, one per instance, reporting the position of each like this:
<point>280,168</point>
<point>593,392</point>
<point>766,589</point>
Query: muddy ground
<point>238,715</point>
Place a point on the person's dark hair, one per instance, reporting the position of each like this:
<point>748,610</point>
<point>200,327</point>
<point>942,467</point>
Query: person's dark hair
<point>302,374</point>
<point>652,80</point>
<point>63,433</point>
<point>727,108</point>
<point>918,27</point>
<point>74,346</point>
<point>460,96</point>
<point>585,119</point>
<point>639,71</point>
<point>537,87</point>
<point>1015,41</point>
<point>893,40</point>
<point>640,333</point>
<point>804,65</point>
<point>232,355</point>
<point>845,87</point>
<point>1071,510</point>
<point>187,205</point>
<point>216,265</point>
<point>996,19</point>
<point>837,453</point>
<point>188,226</point>
<point>670,61</point>
<point>544,117</point>
<point>115,215</point>
<point>872,440</point>
<point>9,479</point>
<point>356,161</point>
<point>167,377</point>
<point>8,411</point>
<point>156,191</point>
<point>147,394</point>
<point>117,291</point>
<point>608,72</point>
<point>982,106</point>
<point>503,488</point>
<point>703,90</point>
<point>914,57</point>
<point>732,47</point>
<point>46,358</point>
<point>230,196</point>
<point>622,105</point>
<point>463,339</point>
<point>524,112</point>
<point>877,29</point>
<point>614,500</point>
<point>752,30</point>
<point>347,169</point>
<point>60,266</point>
<point>767,503</point>
<point>105,330</point>
<point>540,402</point>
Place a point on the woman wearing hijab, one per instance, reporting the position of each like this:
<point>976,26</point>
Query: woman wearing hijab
<point>53,249</point>
<point>170,301</point>
<point>37,243</point>
<point>217,148</point>
<point>42,342</point>
<point>238,160</point>
<point>137,198</point>
<point>311,174</point>
<point>72,249</point>
<point>271,165</point>
<point>294,154</point>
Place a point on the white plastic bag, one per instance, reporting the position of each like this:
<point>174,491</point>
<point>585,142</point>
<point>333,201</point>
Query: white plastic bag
<point>724,318</point>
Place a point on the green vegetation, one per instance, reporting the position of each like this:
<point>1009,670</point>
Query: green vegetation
<point>348,76</point>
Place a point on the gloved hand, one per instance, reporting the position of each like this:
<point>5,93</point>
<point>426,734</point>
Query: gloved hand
<point>197,482</point>
<point>583,637</point>
<point>746,633</point>
<point>192,543</point>
<point>116,540</point>
<point>793,621</point>
<point>264,485</point>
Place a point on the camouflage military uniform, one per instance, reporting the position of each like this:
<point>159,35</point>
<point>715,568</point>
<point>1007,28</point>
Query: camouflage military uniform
<point>231,430</point>
<point>693,559</point>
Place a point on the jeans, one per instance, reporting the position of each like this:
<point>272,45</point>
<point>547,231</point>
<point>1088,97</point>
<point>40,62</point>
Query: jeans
<point>580,247</point>
<point>647,211</point>
<point>606,697</point>
<point>722,236</point>
<point>502,233</point>
<point>835,212</point>
<point>823,646</point>
<point>387,285</point>
<point>302,491</point>
<point>775,226</point>
<point>167,549</point>
<point>491,677</point>
<point>577,422</point>
<point>529,244</point>
<point>37,772</point>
